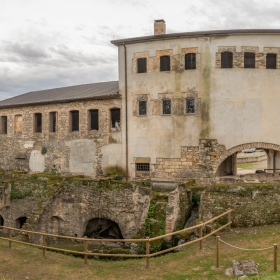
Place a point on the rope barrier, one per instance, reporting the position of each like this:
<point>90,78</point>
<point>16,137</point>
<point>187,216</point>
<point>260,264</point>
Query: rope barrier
<point>244,249</point>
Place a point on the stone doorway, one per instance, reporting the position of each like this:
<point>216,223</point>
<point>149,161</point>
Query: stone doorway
<point>103,228</point>
<point>20,222</point>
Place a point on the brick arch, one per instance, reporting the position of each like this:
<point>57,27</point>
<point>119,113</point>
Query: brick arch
<point>237,148</point>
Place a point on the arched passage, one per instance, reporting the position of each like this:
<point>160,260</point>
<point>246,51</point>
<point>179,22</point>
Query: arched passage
<point>227,163</point>
<point>20,222</point>
<point>103,228</point>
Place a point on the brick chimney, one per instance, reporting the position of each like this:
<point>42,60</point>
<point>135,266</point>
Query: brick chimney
<point>159,27</point>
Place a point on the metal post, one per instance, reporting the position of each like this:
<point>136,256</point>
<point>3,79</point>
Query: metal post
<point>10,237</point>
<point>218,251</point>
<point>200,236</point>
<point>147,251</point>
<point>275,257</point>
<point>44,245</point>
<point>229,219</point>
<point>85,250</point>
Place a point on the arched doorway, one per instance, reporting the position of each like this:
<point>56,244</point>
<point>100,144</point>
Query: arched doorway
<point>234,157</point>
<point>20,222</point>
<point>103,228</point>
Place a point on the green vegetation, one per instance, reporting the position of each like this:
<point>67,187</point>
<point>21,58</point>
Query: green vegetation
<point>44,150</point>
<point>246,165</point>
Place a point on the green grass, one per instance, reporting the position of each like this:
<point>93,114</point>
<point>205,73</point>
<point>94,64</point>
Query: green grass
<point>246,165</point>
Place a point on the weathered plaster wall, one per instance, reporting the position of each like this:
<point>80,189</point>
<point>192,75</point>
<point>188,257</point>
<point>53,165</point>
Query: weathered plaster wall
<point>78,152</point>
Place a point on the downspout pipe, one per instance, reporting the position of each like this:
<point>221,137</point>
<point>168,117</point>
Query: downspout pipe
<point>126,117</point>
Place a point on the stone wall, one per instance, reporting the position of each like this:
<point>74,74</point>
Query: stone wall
<point>78,152</point>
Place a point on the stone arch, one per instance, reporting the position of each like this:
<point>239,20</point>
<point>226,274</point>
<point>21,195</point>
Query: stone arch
<point>1,221</point>
<point>235,149</point>
<point>20,222</point>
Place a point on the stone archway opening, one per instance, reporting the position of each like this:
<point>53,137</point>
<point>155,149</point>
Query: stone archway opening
<point>1,221</point>
<point>103,228</point>
<point>20,222</point>
<point>250,158</point>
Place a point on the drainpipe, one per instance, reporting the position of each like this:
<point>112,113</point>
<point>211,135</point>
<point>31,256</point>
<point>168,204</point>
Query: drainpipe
<point>126,124</point>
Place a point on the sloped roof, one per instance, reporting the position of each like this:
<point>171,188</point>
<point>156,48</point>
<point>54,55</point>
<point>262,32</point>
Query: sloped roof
<point>65,94</point>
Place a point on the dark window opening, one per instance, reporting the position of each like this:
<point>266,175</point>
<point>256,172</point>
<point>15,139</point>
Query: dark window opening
<point>226,60</point>
<point>1,221</point>
<point>93,119</point>
<point>142,65</point>
<point>74,120</point>
<point>165,63</point>
<point>190,61</point>
<point>142,108</point>
<point>143,167</point>
<point>271,61</point>
<point>249,60</point>
<point>103,228</point>
<point>115,119</point>
<point>4,125</point>
<point>166,106</point>
<point>38,122</point>
<point>53,124</point>
<point>20,222</point>
<point>190,106</point>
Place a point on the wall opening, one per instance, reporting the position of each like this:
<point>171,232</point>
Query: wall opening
<point>4,125</point>
<point>93,119</point>
<point>53,122</point>
<point>74,120</point>
<point>249,60</point>
<point>20,222</point>
<point>103,228</point>
<point>271,59</point>
<point>1,221</point>
<point>142,65</point>
<point>165,63</point>
<point>115,122</point>
<point>226,60</point>
<point>38,122</point>
<point>190,61</point>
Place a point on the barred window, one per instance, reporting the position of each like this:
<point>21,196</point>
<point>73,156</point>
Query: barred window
<point>166,106</point>
<point>143,167</point>
<point>190,61</point>
<point>142,108</point>
<point>249,60</point>
<point>190,105</point>
<point>165,63</point>
<point>226,60</point>
<point>142,65</point>
<point>38,122</point>
<point>271,61</point>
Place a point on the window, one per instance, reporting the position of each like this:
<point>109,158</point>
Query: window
<point>249,60</point>
<point>4,125</point>
<point>190,106</point>
<point>93,120</point>
<point>142,108</point>
<point>271,61</point>
<point>74,120</point>
<point>226,60</point>
<point>190,61</point>
<point>165,63</point>
<point>115,119</point>
<point>53,125</point>
<point>18,123</point>
<point>38,122</point>
<point>166,106</point>
<point>142,65</point>
<point>142,167</point>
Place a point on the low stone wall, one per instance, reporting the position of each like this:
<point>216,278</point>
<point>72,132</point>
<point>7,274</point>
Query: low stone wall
<point>252,204</point>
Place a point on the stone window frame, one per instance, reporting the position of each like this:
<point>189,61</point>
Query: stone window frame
<point>117,127</point>
<point>3,124</point>
<point>222,49</point>
<point>189,50</point>
<point>89,120</point>
<point>194,95</point>
<point>142,55</point>
<point>135,106</point>
<point>274,50</point>
<point>145,161</point>
<point>71,112</point>
<point>138,108</point>
<point>15,126</point>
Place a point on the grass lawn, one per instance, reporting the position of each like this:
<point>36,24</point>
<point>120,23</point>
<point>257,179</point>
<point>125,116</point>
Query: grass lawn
<point>23,262</point>
<point>247,165</point>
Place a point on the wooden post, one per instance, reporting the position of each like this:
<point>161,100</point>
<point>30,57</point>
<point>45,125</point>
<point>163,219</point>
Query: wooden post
<point>275,257</point>
<point>229,219</point>
<point>85,249</point>
<point>218,251</point>
<point>200,236</point>
<point>44,245</point>
<point>10,237</point>
<point>147,251</point>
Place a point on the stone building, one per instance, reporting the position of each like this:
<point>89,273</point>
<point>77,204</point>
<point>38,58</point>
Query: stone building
<point>185,104</point>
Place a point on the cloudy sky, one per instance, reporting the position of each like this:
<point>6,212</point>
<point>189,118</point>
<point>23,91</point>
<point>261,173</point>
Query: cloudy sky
<point>55,43</point>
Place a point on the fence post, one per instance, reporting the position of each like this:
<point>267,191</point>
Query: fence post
<point>218,251</point>
<point>229,220</point>
<point>147,251</point>
<point>85,249</point>
<point>200,236</point>
<point>275,257</point>
<point>44,245</point>
<point>10,237</point>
